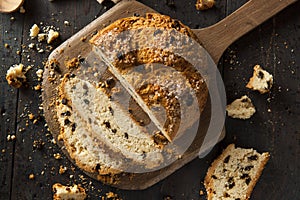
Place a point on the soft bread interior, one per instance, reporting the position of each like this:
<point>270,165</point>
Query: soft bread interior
<point>99,120</point>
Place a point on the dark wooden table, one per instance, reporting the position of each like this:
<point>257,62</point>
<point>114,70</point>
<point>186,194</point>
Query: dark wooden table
<point>275,45</point>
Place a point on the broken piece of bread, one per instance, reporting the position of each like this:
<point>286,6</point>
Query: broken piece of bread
<point>234,173</point>
<point>62,192</point>
<point>34,31</point>
<point>52,35</point>
<point>204,4</point>
<point>261,80</point>
<point>15,75</point>
<point>241,108</point>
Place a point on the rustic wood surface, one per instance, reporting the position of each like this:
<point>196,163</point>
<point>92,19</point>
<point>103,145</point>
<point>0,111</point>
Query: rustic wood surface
<point>274,128</point>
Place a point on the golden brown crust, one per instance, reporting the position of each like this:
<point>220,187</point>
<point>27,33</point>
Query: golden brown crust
<point>127,62</point>
<point>150,20</point>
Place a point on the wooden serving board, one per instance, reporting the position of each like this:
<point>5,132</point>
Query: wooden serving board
<point>78,45</point>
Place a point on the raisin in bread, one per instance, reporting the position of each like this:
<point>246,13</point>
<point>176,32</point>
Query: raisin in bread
<point>241,108</point>
<point>234,173</point>
<point>261,80</point>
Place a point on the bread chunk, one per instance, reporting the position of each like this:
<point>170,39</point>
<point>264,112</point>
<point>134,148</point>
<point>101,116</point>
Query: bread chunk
<point>34,31</point>
<point>204,4</point>
<point>234,173</point>
<point>62,192</point>
<point>261,80</point>
<point>241,108</point>
<point>15,75</point>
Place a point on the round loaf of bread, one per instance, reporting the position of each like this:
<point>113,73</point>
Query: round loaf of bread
<point>103,129</point>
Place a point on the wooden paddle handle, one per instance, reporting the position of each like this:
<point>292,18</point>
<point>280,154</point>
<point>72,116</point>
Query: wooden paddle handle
<point>216,38</point>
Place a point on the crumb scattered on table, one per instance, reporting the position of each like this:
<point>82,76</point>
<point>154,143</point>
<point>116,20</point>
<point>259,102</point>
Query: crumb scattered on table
<point>34,31</point>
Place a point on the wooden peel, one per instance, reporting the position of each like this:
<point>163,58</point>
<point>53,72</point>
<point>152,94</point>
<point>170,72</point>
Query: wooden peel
<point>8,6</point>
<point>215,39</point>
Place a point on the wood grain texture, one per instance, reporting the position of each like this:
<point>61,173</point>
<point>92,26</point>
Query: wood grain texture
<point>274,45</point>
<point>10,34</point>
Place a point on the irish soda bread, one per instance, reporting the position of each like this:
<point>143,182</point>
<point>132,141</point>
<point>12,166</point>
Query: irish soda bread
<point>234,173</point>
<point>104,129</point>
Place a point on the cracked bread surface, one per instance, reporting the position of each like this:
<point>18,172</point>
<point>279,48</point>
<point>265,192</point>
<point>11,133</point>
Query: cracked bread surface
<point>128,62</point>
<point>234,173</point>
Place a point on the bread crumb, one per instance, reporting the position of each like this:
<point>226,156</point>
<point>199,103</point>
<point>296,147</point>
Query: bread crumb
<point>10,137</point>
<point>67,23</point>
<point>62,192</point>
<point>62,169</point>
<point>39,74</point>
<point>22,10</point>
<point>15,75</point>
<point>41,37</point>
<point>204,4</point>
<point>241,108</point>
<point>52,35</point>
<point>31,176</point>
<point>261,80</point>
<point>31,116</point>
<point>201,192</point>
<point>31,45</point>
<point>57,156</point>
<point>34,31</point>
<point>111,195</point>
<point>37,87</point>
